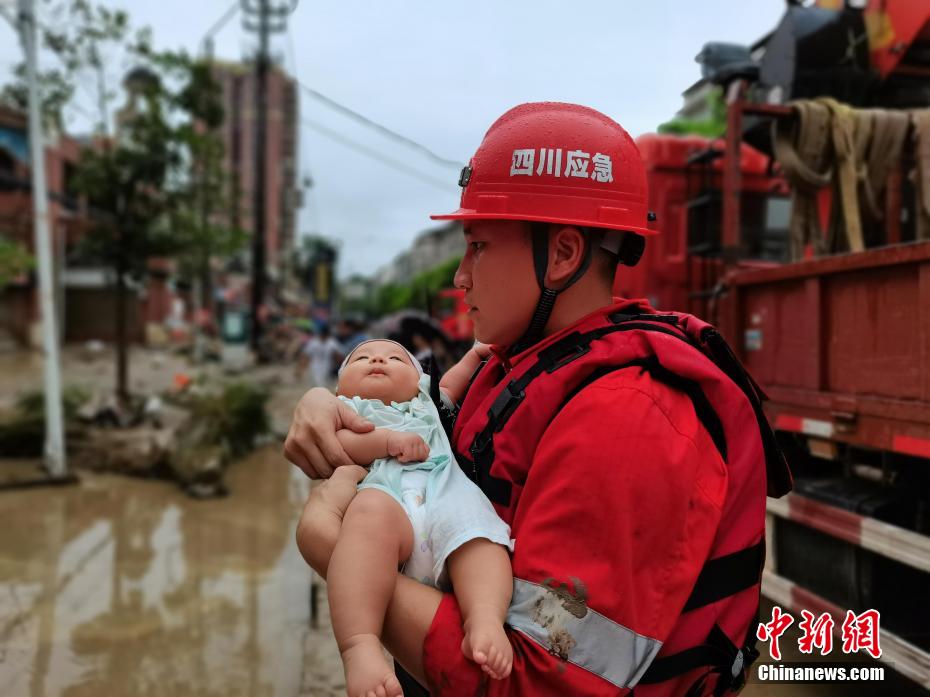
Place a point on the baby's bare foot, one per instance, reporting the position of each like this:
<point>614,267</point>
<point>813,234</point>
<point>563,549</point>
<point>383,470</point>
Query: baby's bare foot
<point>368,673</point>
<point>486,644</point>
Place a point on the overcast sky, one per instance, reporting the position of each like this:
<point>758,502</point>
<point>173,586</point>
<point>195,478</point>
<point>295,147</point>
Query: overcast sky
<point>440,72</point>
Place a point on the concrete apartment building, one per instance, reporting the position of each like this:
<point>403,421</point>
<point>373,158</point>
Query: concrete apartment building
<point>429,248</point>
<point>84,293</point>
<point>238,84</point>
<point>19,309</point>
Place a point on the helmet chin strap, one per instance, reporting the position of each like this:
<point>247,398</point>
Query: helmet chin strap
<point>548,296</point>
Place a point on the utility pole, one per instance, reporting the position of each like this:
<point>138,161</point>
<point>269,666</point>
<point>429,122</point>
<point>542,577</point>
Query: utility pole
<point>54,431</point>
<point>263,17</point>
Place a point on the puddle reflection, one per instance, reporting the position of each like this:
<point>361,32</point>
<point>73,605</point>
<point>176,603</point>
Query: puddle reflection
<point>126,587</point>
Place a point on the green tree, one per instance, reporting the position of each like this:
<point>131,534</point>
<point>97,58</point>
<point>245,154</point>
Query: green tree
<point>419,293</point>
<point>14,260</point>
<point>160,182</point>
<point>80,40</point>
<point>157,187</point>
<point>200,218</point>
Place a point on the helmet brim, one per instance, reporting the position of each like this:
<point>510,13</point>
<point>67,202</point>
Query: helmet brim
<point>471,214</point>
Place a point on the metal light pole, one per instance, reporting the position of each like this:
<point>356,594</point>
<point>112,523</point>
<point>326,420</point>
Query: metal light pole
<point>54,431</point>
<point>268,18</point>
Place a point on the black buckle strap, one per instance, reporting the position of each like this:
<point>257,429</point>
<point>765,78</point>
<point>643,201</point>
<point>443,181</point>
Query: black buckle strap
<point>562,352</point>
<point>718,654</point>
<point>728,575</point>
<point>720,578</point>
<point>503,406</point>
<point>496,489</point>
<point>621,317</point>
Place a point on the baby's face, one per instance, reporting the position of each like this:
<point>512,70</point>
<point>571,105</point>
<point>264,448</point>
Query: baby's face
<point>379,370</point>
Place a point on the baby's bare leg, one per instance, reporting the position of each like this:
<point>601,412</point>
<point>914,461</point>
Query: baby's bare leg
<point>482,580</point>
<point>376,535</point>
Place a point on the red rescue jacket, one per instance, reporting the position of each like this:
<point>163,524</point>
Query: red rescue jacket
<point>506,414</point>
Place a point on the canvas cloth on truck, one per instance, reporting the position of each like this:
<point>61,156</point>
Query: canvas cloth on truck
<point>803,149</point>
<point>852,149</point>
<point>920,118</point>
<point>878,155</point>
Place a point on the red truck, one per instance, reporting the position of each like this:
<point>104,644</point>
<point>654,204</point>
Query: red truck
<point>840,343</point>
<point>450,309</point>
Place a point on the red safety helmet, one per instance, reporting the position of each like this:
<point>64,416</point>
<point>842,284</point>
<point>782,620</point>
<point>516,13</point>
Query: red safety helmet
<point>556,163</point>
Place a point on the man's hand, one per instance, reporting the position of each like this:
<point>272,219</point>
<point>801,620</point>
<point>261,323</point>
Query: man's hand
<point>321,519</point>
<point>311,441</point>
<point>407,447</point>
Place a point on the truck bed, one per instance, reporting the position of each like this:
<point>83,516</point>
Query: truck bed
<point>842,345</point>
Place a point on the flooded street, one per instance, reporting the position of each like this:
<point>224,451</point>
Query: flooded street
<point>120,586</point>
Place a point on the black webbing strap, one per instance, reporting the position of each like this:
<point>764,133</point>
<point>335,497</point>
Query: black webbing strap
<point>435,375</point>
<point>718,650</point>
<point>410,686</point>
<point>577,344</point>
<point>718,655</point>
<point>547,296</point>
<point>727,575</point>
<point>702,406</point>
<point>777,473</point>
<point>446,414</point>
<point>550,359</point>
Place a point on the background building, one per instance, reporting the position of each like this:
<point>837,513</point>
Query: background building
<point>238,86</point>
<point>19,310</point>
<point>429,249</point>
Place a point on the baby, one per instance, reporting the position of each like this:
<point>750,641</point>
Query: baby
<point>415,508</point>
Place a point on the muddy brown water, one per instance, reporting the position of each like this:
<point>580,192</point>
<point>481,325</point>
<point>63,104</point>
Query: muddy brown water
<point>122,587</point>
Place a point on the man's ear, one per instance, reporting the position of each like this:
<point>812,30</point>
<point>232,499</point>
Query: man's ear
<point>566,254</point>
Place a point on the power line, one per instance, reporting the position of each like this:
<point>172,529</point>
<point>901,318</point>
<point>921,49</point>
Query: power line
<point>384,130</point>
<point>292,54</point>
<point>374,154</point>
<point>312,199</point>
<point>221,22</point>
<point>207,41</point>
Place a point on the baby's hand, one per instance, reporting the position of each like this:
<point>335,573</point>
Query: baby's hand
<point>407,447</point>
<point>481,350</point>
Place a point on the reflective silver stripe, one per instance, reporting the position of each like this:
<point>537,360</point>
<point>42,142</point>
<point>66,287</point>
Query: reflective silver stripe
<point>558,619</point>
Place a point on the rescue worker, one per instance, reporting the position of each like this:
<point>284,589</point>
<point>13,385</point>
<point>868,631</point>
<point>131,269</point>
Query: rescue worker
<point>626,448</point>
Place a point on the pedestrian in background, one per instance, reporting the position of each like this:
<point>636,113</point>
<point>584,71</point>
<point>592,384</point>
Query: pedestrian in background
<point>322,353</point>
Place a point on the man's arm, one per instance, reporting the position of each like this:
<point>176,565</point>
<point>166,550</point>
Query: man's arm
<point>615,521</point>
<point>455,380</point>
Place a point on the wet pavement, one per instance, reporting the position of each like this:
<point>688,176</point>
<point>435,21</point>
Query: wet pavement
<point>119,586</point>
<point>151,370</point>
